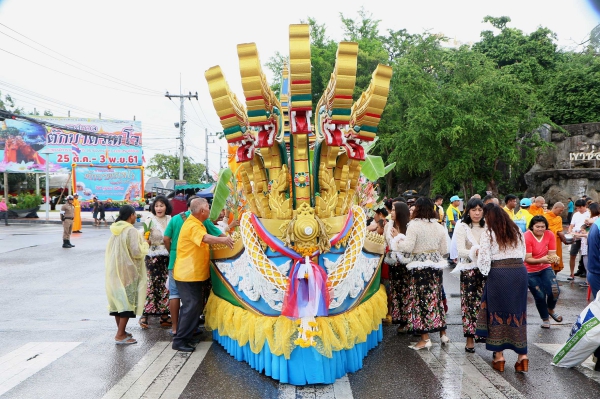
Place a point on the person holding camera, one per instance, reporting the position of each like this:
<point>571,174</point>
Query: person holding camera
<point>67,214</point>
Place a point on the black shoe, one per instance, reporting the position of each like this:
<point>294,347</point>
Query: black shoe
<point>66,244</point>
<point>579,274</point>
<point>69,242</point>
<point>183,348</point>
<point>193,342</point>
<point>198,333</point>
<point>469,350</point>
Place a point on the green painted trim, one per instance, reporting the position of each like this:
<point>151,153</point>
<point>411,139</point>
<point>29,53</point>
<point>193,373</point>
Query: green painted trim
<point>292,167</point>
<point>315,168</point>
<point>258,112</point>
<point>369,129</point>
<point>233,129</point>
<point>301,97</point>
<point>374,286</point>
<point>221,290</point>
<point>340,111</point>
<point>283,153</point>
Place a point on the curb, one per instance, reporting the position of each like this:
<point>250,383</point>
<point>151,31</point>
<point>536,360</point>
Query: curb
<point>44,221</point>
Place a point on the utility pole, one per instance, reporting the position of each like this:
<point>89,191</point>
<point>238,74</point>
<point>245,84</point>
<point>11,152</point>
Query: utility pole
<point>181,124</point>
<point>206,142</point>
<point>221,153</point>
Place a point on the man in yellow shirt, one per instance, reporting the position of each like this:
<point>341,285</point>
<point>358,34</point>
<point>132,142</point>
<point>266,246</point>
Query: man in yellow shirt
<point>192,271</point>
<point>453,214</point>
<point>510,202</point>
<point>523,217</point>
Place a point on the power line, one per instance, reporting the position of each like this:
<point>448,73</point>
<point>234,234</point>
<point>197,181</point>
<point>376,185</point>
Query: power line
<point>70,59</point>
<point>74,77</point>
<point>37,96</point>
<point>207,121</point>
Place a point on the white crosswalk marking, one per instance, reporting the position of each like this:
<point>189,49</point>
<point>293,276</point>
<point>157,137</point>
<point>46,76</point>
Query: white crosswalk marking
<point>465,375</point>
<point>586,368</point>
<point>22,363</point>
<point>162,373</point>
<point>339,390</point>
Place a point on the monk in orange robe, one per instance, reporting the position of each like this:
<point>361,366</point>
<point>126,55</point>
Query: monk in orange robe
<point>77,216</point>
<point>555,225</point>
<point>537,208</point>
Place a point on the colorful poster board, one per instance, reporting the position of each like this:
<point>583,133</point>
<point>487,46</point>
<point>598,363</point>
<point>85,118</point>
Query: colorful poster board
<point>22,144</point>
<point>118,183</point>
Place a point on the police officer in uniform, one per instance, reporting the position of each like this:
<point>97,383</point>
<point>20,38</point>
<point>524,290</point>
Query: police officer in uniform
<point>67,213</point>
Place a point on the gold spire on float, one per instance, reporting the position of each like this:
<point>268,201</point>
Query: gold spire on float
<point>301,203</point>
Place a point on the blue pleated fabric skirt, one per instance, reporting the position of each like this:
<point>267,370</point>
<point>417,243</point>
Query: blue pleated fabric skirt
<point>305,365</point>
<point>502,318</point>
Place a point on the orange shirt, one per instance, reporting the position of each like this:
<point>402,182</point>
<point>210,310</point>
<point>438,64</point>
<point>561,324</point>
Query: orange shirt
<point>193,255</point>
<point>555,224</point>
<point>535,210</point>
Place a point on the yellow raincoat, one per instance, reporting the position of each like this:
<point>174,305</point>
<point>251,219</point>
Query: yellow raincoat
<point>126,276</point>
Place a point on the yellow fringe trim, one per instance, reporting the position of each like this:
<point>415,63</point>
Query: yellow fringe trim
<point>338,332</point>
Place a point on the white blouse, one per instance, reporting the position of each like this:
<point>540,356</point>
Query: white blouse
<point>424,238</point>
<point>490,251</point>
<point>157,235</point>
<point>467,244</point>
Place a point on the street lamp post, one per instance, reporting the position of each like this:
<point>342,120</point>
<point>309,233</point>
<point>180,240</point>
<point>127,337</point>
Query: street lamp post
<point>47,153</point>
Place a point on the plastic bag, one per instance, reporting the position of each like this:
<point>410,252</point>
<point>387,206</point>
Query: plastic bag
<point>584,338</point>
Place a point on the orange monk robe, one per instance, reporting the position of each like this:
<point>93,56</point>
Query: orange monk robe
<point>555,224</point>
<point>77,217</point>
<point>535,210</point>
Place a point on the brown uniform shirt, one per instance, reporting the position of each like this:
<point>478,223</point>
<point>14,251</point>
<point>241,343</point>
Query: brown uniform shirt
<point>69,210</point>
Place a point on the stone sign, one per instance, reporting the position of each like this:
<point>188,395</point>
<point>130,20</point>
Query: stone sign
<point>571,168</point>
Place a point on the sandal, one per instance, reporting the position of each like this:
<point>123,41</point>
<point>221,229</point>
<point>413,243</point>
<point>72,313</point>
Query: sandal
<point>126,341</point>
<point>166,322</point>
<point>143,322</point>
<point>545,324</point>
<point>557,318</point>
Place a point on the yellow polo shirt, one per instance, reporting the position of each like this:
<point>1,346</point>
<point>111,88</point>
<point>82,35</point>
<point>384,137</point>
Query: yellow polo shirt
<point>511,212</point>
<point>193,255</point>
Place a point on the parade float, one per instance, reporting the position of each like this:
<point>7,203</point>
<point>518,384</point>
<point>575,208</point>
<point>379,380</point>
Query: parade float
<point>299,296</point>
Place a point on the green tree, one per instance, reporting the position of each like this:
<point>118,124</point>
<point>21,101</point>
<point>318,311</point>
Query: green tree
<point>529,57</point>
<point>167,167</point>
<point>371,48</point>
<point>572,93</point>
<point>466,119</point>
<point>8,104</point>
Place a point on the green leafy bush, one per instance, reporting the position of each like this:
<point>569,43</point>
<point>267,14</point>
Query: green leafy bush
<point>27,201</point>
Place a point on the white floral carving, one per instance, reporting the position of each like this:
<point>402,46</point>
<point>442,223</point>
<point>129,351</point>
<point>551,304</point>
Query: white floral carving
<point>354,283</point>
<point>241,273</point>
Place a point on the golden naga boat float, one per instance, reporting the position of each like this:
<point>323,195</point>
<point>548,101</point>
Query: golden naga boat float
<point>299,296</point>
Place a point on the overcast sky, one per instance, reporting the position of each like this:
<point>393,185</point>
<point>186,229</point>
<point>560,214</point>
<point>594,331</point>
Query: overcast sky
<point>145,45</point>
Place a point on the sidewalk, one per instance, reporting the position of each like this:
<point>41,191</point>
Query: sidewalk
<point>54,218</point>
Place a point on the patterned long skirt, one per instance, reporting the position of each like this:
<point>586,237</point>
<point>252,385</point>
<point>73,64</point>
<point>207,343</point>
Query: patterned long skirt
<point>471,289</point>
<point>502,318</point>
<point>157,292</point>
<point>426,310</point>
<point>400,292</point>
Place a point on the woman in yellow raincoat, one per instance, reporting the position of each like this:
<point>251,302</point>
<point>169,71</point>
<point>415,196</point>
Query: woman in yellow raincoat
<point>125,273</point>
<point>77,218</point>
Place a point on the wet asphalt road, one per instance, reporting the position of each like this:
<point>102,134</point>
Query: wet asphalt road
<point>56,296</point>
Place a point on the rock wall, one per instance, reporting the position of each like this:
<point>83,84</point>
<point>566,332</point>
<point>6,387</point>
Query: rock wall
<point>571,168</point>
